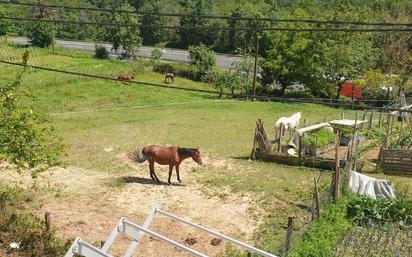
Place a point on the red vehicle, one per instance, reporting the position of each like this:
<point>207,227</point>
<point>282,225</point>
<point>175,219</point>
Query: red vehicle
<point>349,90</point>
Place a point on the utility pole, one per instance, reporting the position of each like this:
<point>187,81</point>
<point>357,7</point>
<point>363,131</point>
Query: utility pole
<point>255,69</point>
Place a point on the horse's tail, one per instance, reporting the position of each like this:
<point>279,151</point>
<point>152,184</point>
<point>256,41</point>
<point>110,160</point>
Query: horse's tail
<point>137,156</point>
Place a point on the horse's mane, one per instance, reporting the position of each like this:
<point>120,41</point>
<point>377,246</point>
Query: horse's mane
<point>183,151</point>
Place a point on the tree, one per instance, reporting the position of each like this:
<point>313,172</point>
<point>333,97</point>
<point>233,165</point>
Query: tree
<point>202,57</point>
<point>196,36</point>
<point>221,79</point>
<point>127,39</point>
<point>152,35</point>
<point>156,54</point>
<point>27,140</point>
<point>4,24</point>
<point>238,39</point>
<point>243,68</point>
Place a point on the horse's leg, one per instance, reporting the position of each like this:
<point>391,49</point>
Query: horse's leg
<point>151,168</point>
<point>177,173</point>
<point>170,173</point>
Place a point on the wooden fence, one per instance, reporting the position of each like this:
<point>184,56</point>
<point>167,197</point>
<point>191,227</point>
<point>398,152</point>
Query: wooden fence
<point>397,161</point>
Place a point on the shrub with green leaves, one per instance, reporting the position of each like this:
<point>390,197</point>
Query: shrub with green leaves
<point>156,54</point>
<point>222,79</point>
<point>40,34</point>
<point>202,57</point>
<point>366,211</point>
<point>319,138</point>
<point>27,140</point>
<point>100,52</point>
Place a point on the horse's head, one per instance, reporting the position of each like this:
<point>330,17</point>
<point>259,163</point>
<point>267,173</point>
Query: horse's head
<point>196,156</point>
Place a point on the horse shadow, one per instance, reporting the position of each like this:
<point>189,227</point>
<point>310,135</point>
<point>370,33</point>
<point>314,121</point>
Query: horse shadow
<point>147,181</point>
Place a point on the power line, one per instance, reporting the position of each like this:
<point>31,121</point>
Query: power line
<point>259,97</point>
<point>286,20</point>
<point>107,24</point>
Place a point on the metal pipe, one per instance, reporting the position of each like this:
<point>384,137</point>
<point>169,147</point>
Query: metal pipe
<point>86,249</point>
<point>158,236</point>
<point>234,241</point>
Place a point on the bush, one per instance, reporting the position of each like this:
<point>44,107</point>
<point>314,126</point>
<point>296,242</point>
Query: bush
<point>320,138</point>
<point>27,140</point>
<point>221,80</point>
<point>26,228</point>
<point>366,211</point>
<point>39,34</point>
<point>100,52</point>
<point>156,54</point>
<point>202,57</point>
<point>179,69</point>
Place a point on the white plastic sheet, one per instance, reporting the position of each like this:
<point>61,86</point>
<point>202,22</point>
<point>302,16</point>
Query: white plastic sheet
<point>372,187</point>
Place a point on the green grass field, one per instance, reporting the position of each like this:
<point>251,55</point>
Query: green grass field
<point>92,114</point>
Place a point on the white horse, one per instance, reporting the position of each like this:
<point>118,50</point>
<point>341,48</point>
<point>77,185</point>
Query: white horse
<point>286,123</point>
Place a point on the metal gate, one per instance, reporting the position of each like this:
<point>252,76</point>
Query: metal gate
<point>136,232</point>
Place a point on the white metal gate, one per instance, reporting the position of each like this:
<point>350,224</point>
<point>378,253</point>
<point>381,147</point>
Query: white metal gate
<point>136,232</point>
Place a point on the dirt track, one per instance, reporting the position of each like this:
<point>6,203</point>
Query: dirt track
<point>83,204</point>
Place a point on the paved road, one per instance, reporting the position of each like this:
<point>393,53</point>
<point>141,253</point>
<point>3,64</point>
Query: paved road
<point>222,60</point>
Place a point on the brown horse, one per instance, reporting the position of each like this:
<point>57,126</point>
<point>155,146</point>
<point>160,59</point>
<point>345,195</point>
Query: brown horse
<point>171,156</point>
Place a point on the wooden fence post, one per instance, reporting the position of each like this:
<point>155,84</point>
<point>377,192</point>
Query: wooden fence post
<point>389,131</point>
<point>380,120</point>
<point>47,220</point>
<point>363,118</point>
<point>300,149</point>
<point>371,120</point>
<point>342,116</point>
<point>289,232</point>
<point>317,207</point>
<point>336,186</point>
<point>280,138</point>
<point>400,132</point>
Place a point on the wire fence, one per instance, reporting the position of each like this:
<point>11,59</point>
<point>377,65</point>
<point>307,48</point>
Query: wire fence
<point>367,241</point>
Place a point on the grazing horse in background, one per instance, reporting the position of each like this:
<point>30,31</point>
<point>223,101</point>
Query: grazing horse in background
<point>125,78</point>
<point>171,156</point>
<point>286,123</point>
<point>169,77</point>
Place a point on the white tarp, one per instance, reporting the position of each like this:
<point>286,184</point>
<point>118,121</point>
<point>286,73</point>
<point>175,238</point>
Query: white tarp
<point>372,187</point>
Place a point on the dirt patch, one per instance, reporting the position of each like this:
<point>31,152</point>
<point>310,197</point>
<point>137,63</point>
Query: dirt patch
<point>82,204</point>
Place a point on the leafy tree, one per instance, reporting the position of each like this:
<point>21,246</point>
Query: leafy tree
<point>371,84</point>
<point>27,140</point>
<point>221,80</point>
<point>195,36</point>
<point>40,34</point>
<point>153,35</point>
<point>4,24</point>
<point>243,39</point>
<point>202,57</point>
<point>243,68</point>
<point>156,54</point>
<point>127,39</point>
